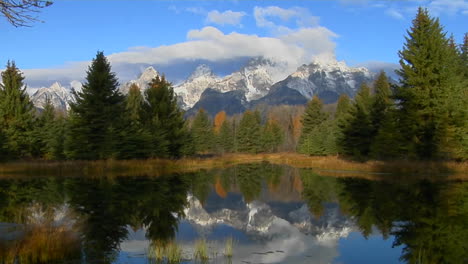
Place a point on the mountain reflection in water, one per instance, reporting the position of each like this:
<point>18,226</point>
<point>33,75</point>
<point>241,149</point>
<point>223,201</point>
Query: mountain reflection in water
<point>274,214</point>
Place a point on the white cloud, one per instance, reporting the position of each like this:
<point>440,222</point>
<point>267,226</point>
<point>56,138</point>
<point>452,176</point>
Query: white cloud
<point>196,10</point>
<point>290,45</point>
<point>394,13</point>
<point>302,16</point>
<point>225,18</point>
<point>450,7</point>
<point>210,43</point>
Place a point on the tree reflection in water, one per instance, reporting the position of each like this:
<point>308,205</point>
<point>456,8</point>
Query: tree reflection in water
<point>429,219</point>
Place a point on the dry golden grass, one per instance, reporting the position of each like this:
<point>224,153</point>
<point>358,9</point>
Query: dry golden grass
<point>330,166</point>
<point>40,244</point>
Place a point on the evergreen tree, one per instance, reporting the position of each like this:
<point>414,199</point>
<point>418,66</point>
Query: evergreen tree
<point>343,105</point>
<point>135,140</point>
<point>357,128</point>
<point>95,116</point>
<point>311,120</point>
<point>49,133</point>
<point>387,143</point>
<point>453,142</point>
<point>272,137</point>
<point>464,55</point>
<point>202,132</point>
<point>226,137</point>
<point>427,79</point>
<point>164,120</point>
<point>249,134</point>
<point>16,113</point>
<point>381,102</point>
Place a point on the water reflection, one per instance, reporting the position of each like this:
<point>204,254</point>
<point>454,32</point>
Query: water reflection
<point>274,214</point>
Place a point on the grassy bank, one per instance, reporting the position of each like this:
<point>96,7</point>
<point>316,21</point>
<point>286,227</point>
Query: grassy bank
<point>332,166</point>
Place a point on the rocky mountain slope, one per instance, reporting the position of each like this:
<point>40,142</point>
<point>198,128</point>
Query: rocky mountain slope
<point>58,95</point>
<point>260,81</point>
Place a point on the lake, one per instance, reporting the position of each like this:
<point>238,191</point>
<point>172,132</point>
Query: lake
<point>258,213</point>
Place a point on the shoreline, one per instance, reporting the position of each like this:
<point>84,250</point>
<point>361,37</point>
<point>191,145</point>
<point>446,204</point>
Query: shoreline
<point>325,165</point>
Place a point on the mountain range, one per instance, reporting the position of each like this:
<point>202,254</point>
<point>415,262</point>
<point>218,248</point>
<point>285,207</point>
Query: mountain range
<point>260,81</point>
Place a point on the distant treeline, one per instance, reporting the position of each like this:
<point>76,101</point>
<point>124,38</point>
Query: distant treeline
<point>423,117</point>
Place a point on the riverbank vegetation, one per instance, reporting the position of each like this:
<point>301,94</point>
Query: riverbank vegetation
<point>418,125</point>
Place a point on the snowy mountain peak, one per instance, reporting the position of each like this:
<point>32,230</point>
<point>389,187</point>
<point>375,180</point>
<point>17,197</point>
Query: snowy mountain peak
<point>327,79</point>
<point>200,71</point>
<point>143,80</point>
<point>148,74</point>
<point>58,95</point>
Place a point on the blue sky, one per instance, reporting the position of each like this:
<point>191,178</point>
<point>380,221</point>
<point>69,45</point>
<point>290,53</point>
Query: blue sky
<point>145,32</point>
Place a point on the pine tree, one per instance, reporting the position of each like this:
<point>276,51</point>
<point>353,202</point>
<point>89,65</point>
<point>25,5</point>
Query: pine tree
<point>135,139</point>
<point>381,103</point>
<point>357,128</point>
<point>343,105</point>
<point>249,133</point>
<point>272,136</point>
<point>226,137</point>
<point>427,79</point>
<point>452,139</point>
<point>202,132</point>
<point>464,55</point>
<point>164,120</point>
<point>16,113</point>
<point>311,120</point>
<point>44,127</point>
<point>95,116</point>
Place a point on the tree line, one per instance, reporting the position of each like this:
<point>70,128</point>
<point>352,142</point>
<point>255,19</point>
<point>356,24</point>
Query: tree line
<point>424,116</point>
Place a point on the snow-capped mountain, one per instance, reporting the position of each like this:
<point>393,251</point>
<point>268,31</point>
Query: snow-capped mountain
<point>254,80</point>
<point>191,90</point>
<point>58,95</point>
<point>260,81</point>
<point>142,82</point>
<point>327,80</point>
<point>257,218</point>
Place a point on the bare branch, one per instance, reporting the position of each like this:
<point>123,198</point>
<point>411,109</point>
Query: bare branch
<point>21,13</point>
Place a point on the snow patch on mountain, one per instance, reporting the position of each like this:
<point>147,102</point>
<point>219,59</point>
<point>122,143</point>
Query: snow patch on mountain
<point>143,80</point>
<point>58,95</point>
<point>254,79</point>
<point>330,76</point>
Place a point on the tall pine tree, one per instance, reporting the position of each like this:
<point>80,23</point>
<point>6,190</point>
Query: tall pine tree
<point>164,120</point>
<point>427,80</point>
<point>249,134</point>
<point>96,113</point>
<point>312,118</point>
<point>357,128</point>
<point>135,139</point>
<point>202,132</point>
<point>16,113</point>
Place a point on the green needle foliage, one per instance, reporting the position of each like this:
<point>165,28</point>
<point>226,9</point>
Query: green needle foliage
<point>431,82</point>
<point>202,132</point>
<point>249,135</point>
<point>16,114</point>
<point>164,120</point>
<point>95,115</point>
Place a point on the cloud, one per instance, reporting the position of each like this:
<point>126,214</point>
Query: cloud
<point>404,9</point>
<point>301,41</point>
<point>264,15</point>
<point>394,13</point>
<point>450,7</point>
<point>225,18</point>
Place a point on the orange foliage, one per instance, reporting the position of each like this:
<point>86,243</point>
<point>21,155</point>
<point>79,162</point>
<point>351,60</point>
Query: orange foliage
<point>297,126</point>
<point>219,189</point>
<point>297,183</point>
<point>219,120</point>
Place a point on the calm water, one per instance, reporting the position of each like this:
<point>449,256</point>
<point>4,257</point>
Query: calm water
<point>273,214</point>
